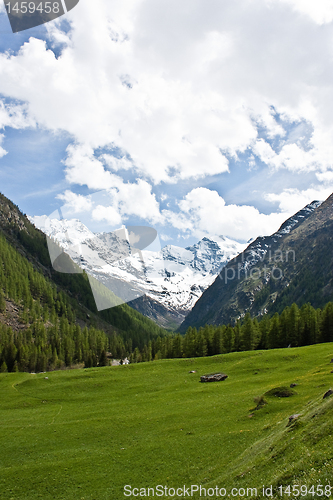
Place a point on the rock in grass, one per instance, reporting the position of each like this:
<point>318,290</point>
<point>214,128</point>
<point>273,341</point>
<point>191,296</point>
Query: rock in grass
<point>193,371</point>
<point>293,385</point>
<point>294,417</point>
<point>213,377</point>
<point>328,393</point>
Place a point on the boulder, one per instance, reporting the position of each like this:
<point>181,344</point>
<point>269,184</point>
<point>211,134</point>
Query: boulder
<point>213,377</point>
<point>293,385</point>
<point>328,393</point>
<point>294,417</point>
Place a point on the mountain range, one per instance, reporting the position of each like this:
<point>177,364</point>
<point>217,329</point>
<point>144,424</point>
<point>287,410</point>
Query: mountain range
<point>163,285</point>
<point>294,265</point>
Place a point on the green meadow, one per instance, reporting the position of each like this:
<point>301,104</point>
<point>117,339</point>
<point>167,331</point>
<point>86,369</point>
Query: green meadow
<point>85,434</point>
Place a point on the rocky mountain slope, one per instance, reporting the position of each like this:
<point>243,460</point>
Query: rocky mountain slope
<point>163,285</point>
<point>295,264</point>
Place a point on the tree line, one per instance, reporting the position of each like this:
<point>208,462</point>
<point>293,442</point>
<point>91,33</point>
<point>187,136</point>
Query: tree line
<point>293,327</point>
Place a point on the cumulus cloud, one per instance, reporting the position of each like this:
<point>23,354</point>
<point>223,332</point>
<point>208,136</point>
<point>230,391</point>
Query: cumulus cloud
<point>291,200</point>
<point>180,89</point>
<point>15,115</point>
<point>291,157</point>
<point>205,212</point>
<point>128,198</point>
<point>320,11</point>
<point>177,86</point>
<point>108,214</point>
<point>75,203</point>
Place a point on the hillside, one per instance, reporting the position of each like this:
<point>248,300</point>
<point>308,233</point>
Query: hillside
<point>85,434</point>
<point>35,300</point>
<point>293,265</point>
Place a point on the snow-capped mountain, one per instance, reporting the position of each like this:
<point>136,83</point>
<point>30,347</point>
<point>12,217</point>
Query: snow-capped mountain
<point>178,276</point>
<point>171,279</point>
<point>282,267</point>
<point>258,248</point>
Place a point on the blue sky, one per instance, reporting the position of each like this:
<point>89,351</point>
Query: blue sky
<point>197,119</point>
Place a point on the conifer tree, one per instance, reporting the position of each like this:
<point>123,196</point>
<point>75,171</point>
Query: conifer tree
<point>3,367</point>
<point>248,333</point>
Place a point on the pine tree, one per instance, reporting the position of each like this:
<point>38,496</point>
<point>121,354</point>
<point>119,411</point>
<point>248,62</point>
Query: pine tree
<point>2,301</point>
<point>248,333</point>
<point>103,360</point>
<point>3,368</point>
<point>294,324</point>
<point>273,334</point>
<point>326,327</point>
<point>229,339</point>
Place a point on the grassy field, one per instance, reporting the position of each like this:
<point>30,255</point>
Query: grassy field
<point>85,434</point>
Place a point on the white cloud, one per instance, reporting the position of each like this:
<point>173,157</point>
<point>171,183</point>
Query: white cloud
<point>75,202</point>
<point>325,177</point>
<point>114,163</point>
<point>291,157</point>
<point>165,237</point>
<point>108,214</point>
<point>320,11</point>
<point>137,199</point>
<point>292,200</point>
<point>84,169</point>
<point>174,84</point>
<point>204,212</point>
<point>15,116</point>
<point>128,198</point>
<point>178,87</point>
<point>3,152</point>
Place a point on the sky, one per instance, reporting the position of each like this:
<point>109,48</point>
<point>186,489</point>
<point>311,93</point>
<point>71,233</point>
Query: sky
<point>195,117</point>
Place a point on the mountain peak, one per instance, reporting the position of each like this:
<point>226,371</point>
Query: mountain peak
<point>289,263</point>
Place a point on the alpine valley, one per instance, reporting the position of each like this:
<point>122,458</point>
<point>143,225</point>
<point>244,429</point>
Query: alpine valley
<point>164,285</point>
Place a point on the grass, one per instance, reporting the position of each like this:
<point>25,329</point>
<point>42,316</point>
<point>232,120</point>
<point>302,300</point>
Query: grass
<point>85,434</point>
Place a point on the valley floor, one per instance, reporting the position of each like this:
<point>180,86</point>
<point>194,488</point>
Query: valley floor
<point>86,434</point>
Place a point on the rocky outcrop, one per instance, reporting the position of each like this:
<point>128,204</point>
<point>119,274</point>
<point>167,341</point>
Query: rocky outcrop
<point>10,215</point>
<point>294,417</point>
<point>213,377</point>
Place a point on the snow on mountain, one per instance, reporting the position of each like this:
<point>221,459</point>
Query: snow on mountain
<point>174,277</point>
<point>258,248</point>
